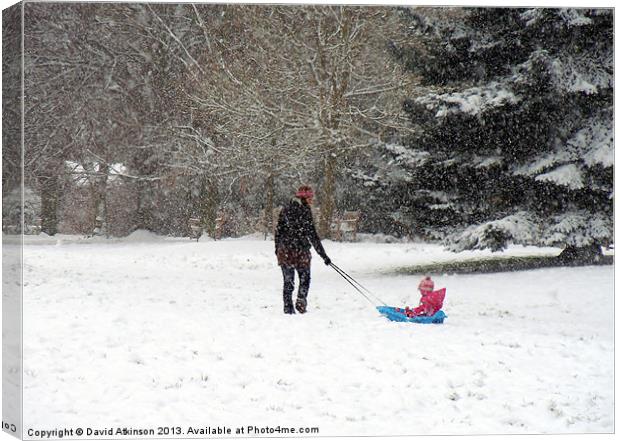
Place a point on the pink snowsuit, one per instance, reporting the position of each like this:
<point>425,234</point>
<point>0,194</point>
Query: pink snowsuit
<point>430,303</point>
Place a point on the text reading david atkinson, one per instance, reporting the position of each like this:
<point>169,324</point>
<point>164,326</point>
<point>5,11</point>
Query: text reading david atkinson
<point>169,431</point>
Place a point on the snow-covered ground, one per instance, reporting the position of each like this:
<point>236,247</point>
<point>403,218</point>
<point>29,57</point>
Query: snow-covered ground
<point>147,332</point>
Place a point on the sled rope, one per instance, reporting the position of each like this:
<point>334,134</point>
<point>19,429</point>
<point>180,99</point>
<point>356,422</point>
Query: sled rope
<point>351,283</point>
<point>355,284</point>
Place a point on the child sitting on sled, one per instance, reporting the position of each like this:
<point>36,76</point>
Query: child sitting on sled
<point>430,302</point>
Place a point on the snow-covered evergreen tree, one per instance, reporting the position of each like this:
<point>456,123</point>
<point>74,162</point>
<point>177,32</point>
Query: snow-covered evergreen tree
<point>514,127</point>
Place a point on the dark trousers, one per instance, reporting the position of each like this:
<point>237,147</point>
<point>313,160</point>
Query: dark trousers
<point>288,272</point>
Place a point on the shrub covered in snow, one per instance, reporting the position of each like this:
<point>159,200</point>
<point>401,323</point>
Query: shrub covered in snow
<point>12,210</point>
<point>517,229</point>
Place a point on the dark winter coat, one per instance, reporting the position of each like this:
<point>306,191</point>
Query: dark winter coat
<point>295,233</point>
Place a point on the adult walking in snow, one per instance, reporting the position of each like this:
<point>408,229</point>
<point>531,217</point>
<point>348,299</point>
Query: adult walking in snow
<point>294,234</point>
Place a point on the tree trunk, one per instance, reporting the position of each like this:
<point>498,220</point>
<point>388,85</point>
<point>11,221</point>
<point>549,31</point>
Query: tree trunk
<point>207,205</point>
<point>50,196</point>
<point>144,211</point>
<point>269,220</point>
<point>99,191</point>
<point>328,196</point>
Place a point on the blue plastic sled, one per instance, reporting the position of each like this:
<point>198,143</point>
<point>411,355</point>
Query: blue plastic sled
<point>391,313</point>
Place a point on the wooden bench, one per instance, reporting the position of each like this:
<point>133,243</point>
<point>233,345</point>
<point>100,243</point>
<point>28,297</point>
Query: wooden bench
<point>195,227</point>
<point>345,227</point>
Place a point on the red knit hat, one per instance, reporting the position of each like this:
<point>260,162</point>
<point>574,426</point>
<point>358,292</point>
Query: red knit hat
<point>304,192</point>
<point>426,284</point>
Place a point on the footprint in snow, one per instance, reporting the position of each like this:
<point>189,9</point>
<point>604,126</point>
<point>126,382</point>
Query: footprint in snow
<point>454,396</point>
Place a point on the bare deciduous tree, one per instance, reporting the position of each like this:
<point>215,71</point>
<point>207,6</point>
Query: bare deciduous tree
<point>305,87</point>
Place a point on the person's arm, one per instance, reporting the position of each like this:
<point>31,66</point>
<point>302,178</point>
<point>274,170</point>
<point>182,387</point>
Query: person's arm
<point>314,238</point>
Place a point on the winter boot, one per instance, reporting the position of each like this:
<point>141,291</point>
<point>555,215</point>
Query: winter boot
<point>288,309</point>
<point>300,305</point>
